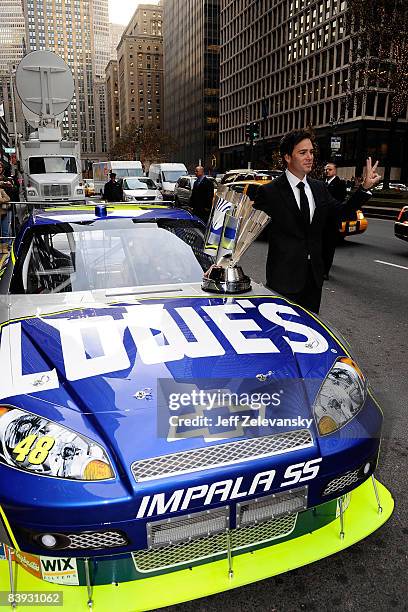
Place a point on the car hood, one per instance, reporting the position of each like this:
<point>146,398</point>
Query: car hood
<point>108,370</point>
<point>138,193</point>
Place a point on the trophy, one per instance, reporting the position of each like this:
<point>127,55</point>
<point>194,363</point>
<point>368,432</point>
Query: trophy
<point>233,226</point>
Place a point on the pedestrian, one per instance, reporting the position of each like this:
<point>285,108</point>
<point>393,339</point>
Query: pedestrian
<point>6,190</point>
<point>202,195</point>
<point>338,189</point>
<point>299,208</point>
<point>113,190</point>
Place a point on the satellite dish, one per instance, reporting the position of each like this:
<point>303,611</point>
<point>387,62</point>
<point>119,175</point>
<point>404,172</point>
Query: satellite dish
<point>34,120</point>
<point>45,84</point>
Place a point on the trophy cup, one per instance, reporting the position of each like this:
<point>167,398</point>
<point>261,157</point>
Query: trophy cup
<point>233,226</point>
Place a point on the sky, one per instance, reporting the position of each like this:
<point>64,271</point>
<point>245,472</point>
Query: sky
<point>120,11</point>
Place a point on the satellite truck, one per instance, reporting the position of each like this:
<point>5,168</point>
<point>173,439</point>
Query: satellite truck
<point>51,165</point>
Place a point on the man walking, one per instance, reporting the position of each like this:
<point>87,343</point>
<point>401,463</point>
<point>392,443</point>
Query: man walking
<point>202,195</point>
<point>113,191</point>
<point>300,209</point>
<point>338,189</point>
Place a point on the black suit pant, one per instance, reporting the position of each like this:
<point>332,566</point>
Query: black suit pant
<point>309,297</point>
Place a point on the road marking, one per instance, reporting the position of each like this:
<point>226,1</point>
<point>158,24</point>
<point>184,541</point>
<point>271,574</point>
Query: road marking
<point>387,263</point>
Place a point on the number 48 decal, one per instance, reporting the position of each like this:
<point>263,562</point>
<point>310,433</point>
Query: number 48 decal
<point>37,449</point>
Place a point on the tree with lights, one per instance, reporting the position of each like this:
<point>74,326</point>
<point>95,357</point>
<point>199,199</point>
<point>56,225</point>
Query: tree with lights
<point>379,59</point>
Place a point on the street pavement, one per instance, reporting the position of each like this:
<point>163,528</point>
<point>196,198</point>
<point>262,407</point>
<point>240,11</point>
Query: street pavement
<point>367,302</point>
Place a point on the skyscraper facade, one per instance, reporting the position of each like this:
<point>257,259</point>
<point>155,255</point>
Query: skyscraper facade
<point>12,33</point>
<point>112,103</point>
<point>12,46</point>
<point>69,29</point>
<point>286,65</point>
<point>139,78</point>
<point>191,73</point>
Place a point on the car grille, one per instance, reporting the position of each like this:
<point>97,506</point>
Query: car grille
<point>342,482</point>
<point>220,455</point>
<point>55,190</point>
<point>203,548</point>
<point>96,539</point>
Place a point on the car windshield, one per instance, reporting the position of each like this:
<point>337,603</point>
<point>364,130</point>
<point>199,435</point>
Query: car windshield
<point>71,257</point>
<point>43,165</point>
<point>142,183</point>
<point>123,172</point>
<point>171,176</point>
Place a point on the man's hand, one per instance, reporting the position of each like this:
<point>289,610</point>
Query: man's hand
<point>371,178</point>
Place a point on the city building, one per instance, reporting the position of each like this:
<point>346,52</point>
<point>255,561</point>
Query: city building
<point>78,31</point>
<point>115,34</point>
<point>139,73</point>
<point>191,79</point>
<point>4,137</point>
<point>284,64</point>
<point>12,49</point>
<point>112,104</point>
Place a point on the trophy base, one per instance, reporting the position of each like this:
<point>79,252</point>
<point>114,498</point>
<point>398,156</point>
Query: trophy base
<point>226,280</point>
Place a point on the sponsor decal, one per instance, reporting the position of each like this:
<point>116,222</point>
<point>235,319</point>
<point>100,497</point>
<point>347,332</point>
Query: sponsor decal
<point>2,552</point>
<point>159,338</point>
<point>30,563</point>
<point>59,570</point>
<point>225,490</point>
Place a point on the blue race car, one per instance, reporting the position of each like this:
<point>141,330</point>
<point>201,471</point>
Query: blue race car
<point>159,443</point>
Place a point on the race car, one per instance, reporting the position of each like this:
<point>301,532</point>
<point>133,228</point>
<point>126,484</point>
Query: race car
<point>159,443</point>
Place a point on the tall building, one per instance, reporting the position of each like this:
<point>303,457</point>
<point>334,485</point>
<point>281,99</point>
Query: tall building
<point>12,33</point>
<point>115,34</point>
<point>191,73</point>
<point>112,104</point>
<point>12,47</point>
<point>286,65</point>
<point>139,72</point>
<point>78,31</point>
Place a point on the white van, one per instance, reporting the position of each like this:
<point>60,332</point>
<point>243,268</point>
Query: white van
<point>122,169</point>
<point>165,176</point>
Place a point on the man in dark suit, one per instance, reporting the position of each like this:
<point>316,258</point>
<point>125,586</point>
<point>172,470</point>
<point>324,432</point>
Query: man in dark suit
<point>338,189</point>
<point>202,195</point>
<point>300,209</point>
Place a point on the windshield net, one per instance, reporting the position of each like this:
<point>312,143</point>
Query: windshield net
<point>43,165</point>
<point>63,259</point>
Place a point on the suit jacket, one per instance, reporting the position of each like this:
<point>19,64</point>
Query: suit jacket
<point>337,188</point>
<point>292,242</point>
<point>201,198</point>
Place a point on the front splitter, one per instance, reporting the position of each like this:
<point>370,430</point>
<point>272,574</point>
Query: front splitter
<point>361,518</point>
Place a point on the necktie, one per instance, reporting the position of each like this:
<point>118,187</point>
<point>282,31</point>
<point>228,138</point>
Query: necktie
<point>304,202</point>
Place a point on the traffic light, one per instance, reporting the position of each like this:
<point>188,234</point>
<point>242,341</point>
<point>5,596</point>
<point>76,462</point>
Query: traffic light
<point>255,130</point>
<point>248,132</point>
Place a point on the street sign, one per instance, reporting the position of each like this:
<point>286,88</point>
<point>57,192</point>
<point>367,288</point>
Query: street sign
<point>9,150</point>
<point>335,143</point>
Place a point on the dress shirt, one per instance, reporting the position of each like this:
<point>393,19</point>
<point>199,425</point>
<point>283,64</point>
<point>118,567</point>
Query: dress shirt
<point>293,182</point>
<point>328,181</point>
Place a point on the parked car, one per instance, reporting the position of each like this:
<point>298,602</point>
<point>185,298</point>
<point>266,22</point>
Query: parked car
<point>184,188</point>
<point>249,175</point>
<point>89,188</point>
<point>140,189</point>
<point>393,185</point>
<point>401,224</point>
<point>159,443</point>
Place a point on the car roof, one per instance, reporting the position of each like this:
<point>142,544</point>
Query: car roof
<point>81,214</point>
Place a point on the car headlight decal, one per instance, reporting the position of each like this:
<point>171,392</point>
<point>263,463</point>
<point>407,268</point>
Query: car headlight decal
<point>34,444</point>
<point>341,396</point>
